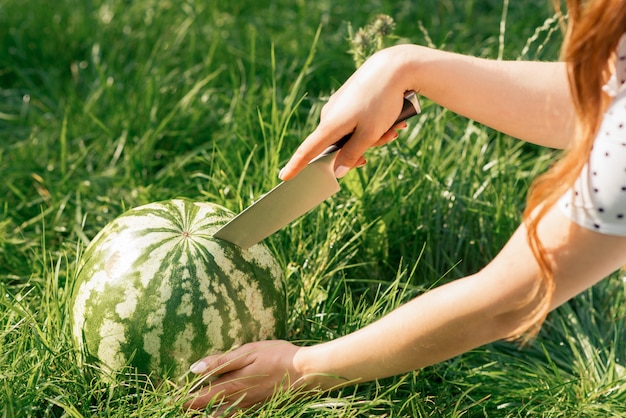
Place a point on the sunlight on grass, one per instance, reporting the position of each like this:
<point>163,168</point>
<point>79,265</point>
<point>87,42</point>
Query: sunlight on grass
<point>106,105</point>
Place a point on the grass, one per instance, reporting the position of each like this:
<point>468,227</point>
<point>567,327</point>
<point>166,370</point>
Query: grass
<point>106,105</point>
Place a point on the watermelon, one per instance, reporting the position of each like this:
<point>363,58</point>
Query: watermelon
<point>156,291</point>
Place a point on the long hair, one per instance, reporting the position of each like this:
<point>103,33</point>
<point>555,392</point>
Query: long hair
<point>593,31</point>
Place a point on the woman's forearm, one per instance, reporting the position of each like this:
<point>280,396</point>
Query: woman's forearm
<point>466,313</point>
<point>437,325</point>
<point>434,327</point>
<point>528,100</point>
<point>392,346</point>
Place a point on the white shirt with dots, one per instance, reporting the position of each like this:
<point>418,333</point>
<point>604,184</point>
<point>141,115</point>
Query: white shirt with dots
<point>597,200</point>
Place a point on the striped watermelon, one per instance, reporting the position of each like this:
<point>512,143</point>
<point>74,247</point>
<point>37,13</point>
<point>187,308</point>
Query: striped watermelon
<point>155,290</point>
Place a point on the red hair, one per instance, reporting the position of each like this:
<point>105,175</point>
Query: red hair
<point>594,29</point>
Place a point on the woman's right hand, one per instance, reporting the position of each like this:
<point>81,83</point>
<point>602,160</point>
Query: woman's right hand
<point>525,99</point>
<point>366,105</point>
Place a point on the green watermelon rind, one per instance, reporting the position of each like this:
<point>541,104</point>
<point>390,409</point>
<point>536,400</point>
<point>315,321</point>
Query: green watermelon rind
<point>155,290</point>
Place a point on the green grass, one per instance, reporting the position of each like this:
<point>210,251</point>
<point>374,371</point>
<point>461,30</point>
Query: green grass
<point>106,105</point>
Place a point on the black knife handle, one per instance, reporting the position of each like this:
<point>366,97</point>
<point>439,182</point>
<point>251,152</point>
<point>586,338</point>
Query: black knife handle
<point>410,107</point>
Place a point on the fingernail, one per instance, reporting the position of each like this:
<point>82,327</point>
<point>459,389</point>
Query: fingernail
<point>281,173</point>
<point>341,171</point>
<point>197,367</point>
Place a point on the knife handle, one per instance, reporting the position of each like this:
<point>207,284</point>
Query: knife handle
<point>410,107</point>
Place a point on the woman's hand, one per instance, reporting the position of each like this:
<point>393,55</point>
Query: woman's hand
<point>247,375</point>
<point>527,100</point>
<point>366,105</point>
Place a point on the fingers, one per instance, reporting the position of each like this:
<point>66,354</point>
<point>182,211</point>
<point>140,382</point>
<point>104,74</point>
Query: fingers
<point>246,376</point>
<point>310,148</point>
<point>215,366</point>
<point>220,363</point>
<point>391,135</point>
<point>225,392</point>
<point>350,156</point>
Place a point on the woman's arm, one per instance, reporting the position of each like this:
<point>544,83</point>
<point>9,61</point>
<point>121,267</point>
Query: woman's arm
<point>433,327</point>
<point>527,100</point>
<point>469,312</point>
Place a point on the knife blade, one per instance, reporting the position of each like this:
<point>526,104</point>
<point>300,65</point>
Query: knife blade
<point>293,198</point>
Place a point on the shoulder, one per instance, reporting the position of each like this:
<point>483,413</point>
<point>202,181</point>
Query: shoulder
<point>597,200</point>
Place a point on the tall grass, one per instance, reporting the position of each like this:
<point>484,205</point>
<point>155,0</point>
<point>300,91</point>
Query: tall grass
<point>107,104</point>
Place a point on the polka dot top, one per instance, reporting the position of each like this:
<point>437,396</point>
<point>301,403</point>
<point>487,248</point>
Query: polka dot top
<point>597,200</point>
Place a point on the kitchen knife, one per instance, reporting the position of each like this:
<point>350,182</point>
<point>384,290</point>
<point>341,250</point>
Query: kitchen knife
<point>293,198</point>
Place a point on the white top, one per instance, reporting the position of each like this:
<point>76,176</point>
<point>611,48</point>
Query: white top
<point>597,200</point>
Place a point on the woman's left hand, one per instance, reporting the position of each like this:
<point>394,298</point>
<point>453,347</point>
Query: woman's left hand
<point>246,376</point>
